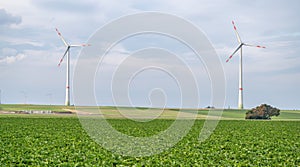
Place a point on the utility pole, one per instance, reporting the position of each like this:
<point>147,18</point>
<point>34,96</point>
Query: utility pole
<point>0,96</point>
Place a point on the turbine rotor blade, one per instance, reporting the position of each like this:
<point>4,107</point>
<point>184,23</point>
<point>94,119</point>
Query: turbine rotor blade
<point>80,45</point>
<point>236,32</point>
<point>61,37</point>
<point>257,46</point>
<point>61,60</point>
<point>234,52</point>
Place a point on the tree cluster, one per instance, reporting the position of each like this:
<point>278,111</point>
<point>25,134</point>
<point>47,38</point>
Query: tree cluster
<point>263,111</point>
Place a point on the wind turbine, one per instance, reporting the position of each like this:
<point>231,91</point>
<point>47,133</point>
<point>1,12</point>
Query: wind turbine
<point>67,52</point>
<point>241,44</point>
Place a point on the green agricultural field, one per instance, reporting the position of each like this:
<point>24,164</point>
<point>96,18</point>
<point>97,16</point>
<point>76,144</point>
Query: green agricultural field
<point>113,112</point>
<point>61,141</point>
<point>22,107</point>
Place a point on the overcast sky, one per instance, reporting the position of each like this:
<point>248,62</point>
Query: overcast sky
<point>30,48</point>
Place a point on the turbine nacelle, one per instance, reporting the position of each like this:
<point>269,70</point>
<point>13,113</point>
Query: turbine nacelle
<point>241,44</point>
<point>68,46</point>
<point>67,52</point>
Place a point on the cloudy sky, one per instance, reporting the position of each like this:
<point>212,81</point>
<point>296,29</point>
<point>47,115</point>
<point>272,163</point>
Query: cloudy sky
<point>30,48</point>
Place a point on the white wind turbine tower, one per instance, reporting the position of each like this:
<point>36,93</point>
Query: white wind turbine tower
<point>67,52</point>
<point>241,44</point>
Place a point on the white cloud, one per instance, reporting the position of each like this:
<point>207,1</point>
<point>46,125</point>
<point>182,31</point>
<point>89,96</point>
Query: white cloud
<point>269,23</point>
<point>8,19</point>
<point>12,59</point>
<point>8,52</point>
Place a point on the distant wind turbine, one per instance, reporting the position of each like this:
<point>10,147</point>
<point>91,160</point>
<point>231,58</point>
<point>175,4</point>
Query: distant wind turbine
<point>241,44</point>
<point>67,52</point>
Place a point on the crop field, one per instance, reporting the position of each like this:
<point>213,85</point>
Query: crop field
<point>44,140</point>
<point>20,107</point>
<point>111,112</point>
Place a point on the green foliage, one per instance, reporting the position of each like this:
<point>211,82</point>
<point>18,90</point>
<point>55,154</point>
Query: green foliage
<point>61,141</point>
<point>263,111</point>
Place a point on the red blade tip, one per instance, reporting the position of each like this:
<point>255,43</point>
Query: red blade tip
<point>233,25</point>
<point>57,32</point>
